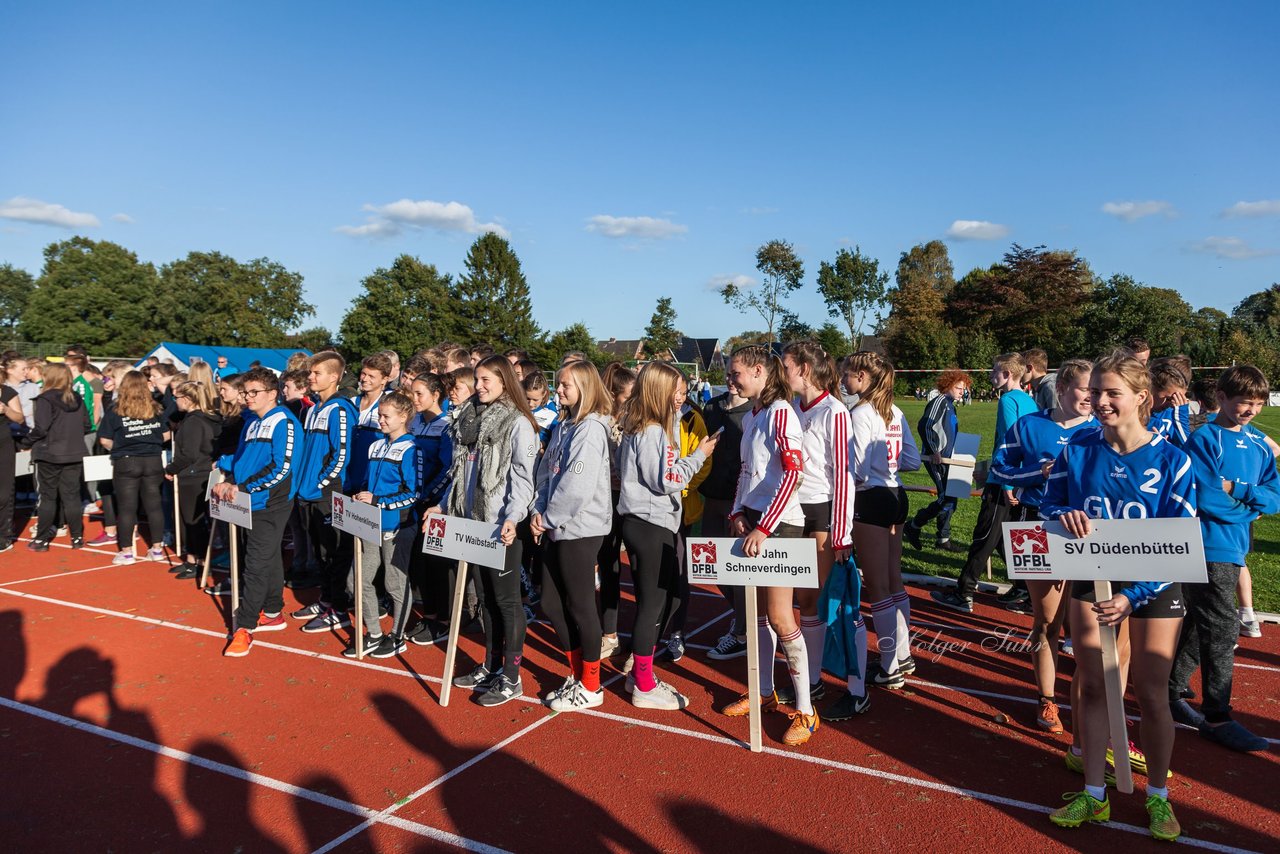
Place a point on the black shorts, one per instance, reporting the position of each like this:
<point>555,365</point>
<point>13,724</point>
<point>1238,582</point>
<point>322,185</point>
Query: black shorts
<point>782,531</point>
<point>882,506</point>
<point>817,518</point>
<point>1168,604</point>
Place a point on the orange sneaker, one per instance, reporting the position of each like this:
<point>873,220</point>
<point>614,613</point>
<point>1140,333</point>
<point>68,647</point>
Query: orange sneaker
<point>240,643</point>
<point>1048,719</point>
<point>742,706</point>
<point>802,727</point>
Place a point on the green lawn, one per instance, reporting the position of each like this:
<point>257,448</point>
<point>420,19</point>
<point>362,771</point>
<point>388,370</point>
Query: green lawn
<point>980,418</point>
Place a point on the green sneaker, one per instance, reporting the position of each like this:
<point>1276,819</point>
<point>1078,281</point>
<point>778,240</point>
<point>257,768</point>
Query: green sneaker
<point>1082,807</point>
<point>1076,764</point>
<point>1163,825</point>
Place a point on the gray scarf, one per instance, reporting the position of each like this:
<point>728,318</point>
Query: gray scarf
<point>492,443</point>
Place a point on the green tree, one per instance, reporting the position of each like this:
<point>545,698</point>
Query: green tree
<point>548,351</point>
<point>783,274</point>
<point>974,352</point>
<point>1203,339</point>
<point>746,339</point>
<point>1121,308</point>
<point>792,328</point>
<point>16,285</point>
<point>493,302</point>
<point>1047,292</point>
<point>834,341</point>
<point>661,334</point>
<point>211,298</point>
<point>94,293</point>
<point>915,333</point>
<point>315,339</point>
<point>404,307</point>
<point>854,289</point>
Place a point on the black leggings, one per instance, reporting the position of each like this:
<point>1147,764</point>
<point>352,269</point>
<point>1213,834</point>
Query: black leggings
<point>195,515</point>
<point>569,585</point>
<point>651,550</point>
<point>609,561</point>
<point>504,621</point>
<point>59,488</point>
<point>137,479</point>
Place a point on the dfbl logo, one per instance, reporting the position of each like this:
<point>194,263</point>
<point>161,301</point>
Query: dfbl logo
<point>339,508</point>
<point>1030,548</point>
<point>435,533</point>
<point>704,559</point>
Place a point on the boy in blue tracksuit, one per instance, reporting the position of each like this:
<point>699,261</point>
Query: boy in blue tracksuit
<point>937,432</point>
<point>392,482</point>
<point>327,448</point>
<point>375,374</point>
<point>1170,414</point>
<point>1236,473</point>
<point>263,466</point>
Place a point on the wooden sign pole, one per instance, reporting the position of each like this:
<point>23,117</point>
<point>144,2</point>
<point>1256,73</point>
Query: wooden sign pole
<point>233,533</point>
<point>1115,696</point>
<point>208,555</point>
<point>357,572</point>
<point>455,626</point>
<point>753,669</point>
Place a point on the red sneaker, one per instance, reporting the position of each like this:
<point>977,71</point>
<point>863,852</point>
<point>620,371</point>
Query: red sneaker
<point>270,624</point>
<point>240,643</point>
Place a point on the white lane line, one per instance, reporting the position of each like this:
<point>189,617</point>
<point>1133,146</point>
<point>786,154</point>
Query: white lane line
<point>438,781</point>
<point>57,575</point>
<point>91,549</point>
<point>372,816</point>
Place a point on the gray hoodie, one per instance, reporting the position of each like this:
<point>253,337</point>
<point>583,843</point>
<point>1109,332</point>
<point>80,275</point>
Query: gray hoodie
<point>573,481</point>
<point>653,475</point>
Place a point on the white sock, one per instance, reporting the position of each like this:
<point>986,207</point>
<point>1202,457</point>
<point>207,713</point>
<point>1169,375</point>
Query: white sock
<point>793,647</point>
<point>1098,793</point>
<point>768,651</point>
<point>814,631</point>
<point>903,603</point>
<point>884,620</point>
<point>1246,615</point>
<point>858,683</point>
<point>1159,791</point>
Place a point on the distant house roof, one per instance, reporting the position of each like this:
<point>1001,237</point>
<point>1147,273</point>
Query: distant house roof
<point>705,352</point>
<point>238,358</point>
<point>873,344</point>
<point>626,348</point>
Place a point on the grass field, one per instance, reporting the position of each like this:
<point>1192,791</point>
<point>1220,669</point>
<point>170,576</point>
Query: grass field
<point>1264,562</point>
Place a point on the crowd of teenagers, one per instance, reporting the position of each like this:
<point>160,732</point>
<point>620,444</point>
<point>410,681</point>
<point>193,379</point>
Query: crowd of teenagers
<point>573,471</point>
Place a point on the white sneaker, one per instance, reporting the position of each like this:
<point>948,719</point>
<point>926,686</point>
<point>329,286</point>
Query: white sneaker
<point>663,697</point>
<point>569,682</point>
<point>1251,629</point>
<point>577,698</point>
<point>609,646</point>
<point>122,558</point>
<point>1068,649</point>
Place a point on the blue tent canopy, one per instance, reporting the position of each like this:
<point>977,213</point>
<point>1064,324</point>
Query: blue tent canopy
<point>239,359</point>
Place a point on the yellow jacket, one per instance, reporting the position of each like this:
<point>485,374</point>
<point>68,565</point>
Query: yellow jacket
<point>692,431</point>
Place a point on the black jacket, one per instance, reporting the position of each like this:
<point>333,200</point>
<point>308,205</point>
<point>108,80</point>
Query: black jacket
<point>193,445</point>
<point>726,460</point>
<point>60,428</point>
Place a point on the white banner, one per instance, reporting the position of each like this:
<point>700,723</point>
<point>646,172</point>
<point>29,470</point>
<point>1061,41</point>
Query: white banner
<point>238,511</point>
<point>356,518</point>
<point>22,464</point>
<point>464,539</point>
<point>782,562</point>
<point>1116,550</point>
<point>960,472</point>
<point>97,467</point>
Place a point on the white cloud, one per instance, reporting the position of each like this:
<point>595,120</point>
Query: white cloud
<point>1268,207</point>
<point>739,280</point>
<point>34,210</point>
<point>646,227</point>
<point>1130,211</point>
<point>1232,248</point>
<point>976,229</point>
<point>122,217</point>
<point>441,216</point>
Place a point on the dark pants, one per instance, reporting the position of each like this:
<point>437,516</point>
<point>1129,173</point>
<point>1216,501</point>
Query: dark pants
<point>332,550</point>
<point>7,451</point>
<point>59,487</point>
<point>503,614</point>
<point>569,594</point>
<point>1208,641</point>
<point>987,536</point>
<point>610,563</point>
<point>137,480</point>
<point>715,523</point>
<point>678,611</point>
<point>940,508</point>
<point>194,507</point>
<point>433,577</point>
<point>262,567</point>
<point>655,571</point>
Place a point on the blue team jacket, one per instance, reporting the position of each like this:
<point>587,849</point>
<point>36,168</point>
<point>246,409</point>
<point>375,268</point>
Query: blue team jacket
<point>1218,454</point>
<point>326,448</point>
<point>393,476</point>
<point>263,465</point>
<point>436,450</point>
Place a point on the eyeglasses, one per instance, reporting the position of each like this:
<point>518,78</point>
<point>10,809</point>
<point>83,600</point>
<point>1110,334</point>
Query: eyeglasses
<point>253,392</point>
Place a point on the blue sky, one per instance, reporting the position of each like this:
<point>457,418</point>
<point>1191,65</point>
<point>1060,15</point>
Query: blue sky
<point>632,153</point>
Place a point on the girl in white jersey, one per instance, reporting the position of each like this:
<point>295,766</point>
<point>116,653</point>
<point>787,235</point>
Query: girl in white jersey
<point>767,504</point>
<point>826,490</point>
<point>882,446</point>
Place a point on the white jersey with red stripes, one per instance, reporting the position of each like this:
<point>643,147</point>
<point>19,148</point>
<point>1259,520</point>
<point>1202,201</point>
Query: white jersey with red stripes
<point>825,448</point>
<point>772,466</point>
<point>877,451</point>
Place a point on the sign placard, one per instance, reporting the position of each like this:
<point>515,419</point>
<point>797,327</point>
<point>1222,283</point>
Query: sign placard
<point>781,563</point>
<point>97,467</point>
<point>356,518</point>
<point>1116,550</point>
<point>464,539</point>
<point>22,464</point>
<point>238,511</point>
<point>215,477</point>
<point>964,457</point>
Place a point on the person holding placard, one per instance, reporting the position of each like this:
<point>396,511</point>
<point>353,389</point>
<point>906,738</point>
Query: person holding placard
<point>430,429</point>
<point>193,447</point>
<point>826,488</point>
<point>573,511</point>
<point>263,466</point>
<point>938,426</point>
<point>767,504</point>
<point>392,481</point>
<point>1237,479</point>
<point>375,374</point>
<point>1123,471</point>
<point>652,475</point>
<point>495,449</point>
<point>881,446</point>
<point>1022,461</point>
